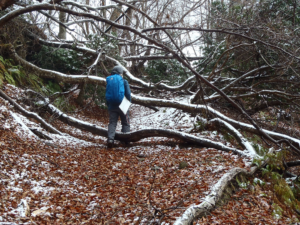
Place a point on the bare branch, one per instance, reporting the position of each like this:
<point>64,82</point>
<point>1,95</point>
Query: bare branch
<point>30,114</point>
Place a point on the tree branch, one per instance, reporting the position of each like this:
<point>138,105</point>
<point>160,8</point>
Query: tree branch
<point>141,134</point>
<point>30,114</point>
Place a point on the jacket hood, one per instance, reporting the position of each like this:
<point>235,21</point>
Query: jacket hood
<point>117,70</point>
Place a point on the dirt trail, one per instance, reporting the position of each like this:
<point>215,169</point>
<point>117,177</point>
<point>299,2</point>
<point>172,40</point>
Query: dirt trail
<point>80,181</point>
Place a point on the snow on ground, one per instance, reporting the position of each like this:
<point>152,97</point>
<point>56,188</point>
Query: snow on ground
<point>69,175</point>
<point>141,118</point>
<point>166,118</point>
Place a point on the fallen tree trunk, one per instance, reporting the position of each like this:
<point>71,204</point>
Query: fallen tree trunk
<point>30,114</point>
<point>235,133</point>
<point>176,53</point>
<point>136,135</point>
<point>193,108</point>
<point>131,78</point>
<point>141,134</point>
<point>203,109</point>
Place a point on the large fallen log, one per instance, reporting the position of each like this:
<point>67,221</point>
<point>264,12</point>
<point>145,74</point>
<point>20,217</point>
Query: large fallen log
<point>141,134</point>
<point>194,108</point>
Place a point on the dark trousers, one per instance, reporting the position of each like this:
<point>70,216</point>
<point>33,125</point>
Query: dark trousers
<point>113,120</point>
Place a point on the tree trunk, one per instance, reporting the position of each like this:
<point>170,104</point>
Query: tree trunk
<point>141,134</point>
<point>80,98</point>
<point>62,34</point>
<point>87,2</point>
<point>115,14</point>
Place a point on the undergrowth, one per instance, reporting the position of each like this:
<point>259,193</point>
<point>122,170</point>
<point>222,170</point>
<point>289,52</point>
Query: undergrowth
<point>286,191</point>
<point>17,76</point>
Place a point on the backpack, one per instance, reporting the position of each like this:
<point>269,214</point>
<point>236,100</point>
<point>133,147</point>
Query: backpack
<point>115,90</point>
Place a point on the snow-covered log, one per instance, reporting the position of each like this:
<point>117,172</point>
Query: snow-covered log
<point>211,200</point>
<point>154,102</point>
<point>176,53</point>
<point>220,192</point>
<point>91,79</point>
<point>43,73</point>
<point>30,114</point>
<point>151,101</point>
<point>141,134</point>
<point>208,110</point>
<point>237,135</point>
<point>252,129</point>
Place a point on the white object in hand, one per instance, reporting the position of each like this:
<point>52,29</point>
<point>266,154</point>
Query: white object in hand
<point>125,104</point>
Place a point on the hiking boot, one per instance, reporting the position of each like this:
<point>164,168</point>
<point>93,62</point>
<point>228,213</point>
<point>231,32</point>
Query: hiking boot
<point>110,143</point>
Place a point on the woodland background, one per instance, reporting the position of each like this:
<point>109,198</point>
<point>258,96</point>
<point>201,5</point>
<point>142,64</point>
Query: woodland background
<point>215,115</point>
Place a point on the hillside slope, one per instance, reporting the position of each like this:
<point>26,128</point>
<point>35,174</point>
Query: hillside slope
<point>75,179</point>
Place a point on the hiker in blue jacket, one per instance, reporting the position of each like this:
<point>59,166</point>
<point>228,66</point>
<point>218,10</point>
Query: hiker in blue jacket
<point>114,111</point>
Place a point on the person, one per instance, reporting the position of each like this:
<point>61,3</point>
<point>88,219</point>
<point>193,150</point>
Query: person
<point>115,112</point>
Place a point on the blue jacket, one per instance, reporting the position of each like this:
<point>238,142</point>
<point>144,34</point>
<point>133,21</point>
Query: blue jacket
<point>127,95</point>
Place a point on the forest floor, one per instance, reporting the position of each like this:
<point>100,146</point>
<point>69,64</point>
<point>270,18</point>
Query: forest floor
<point>76,179</point>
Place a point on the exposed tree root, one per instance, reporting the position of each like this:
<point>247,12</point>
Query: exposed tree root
<point>219,194</point>
<point>222,189</point>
